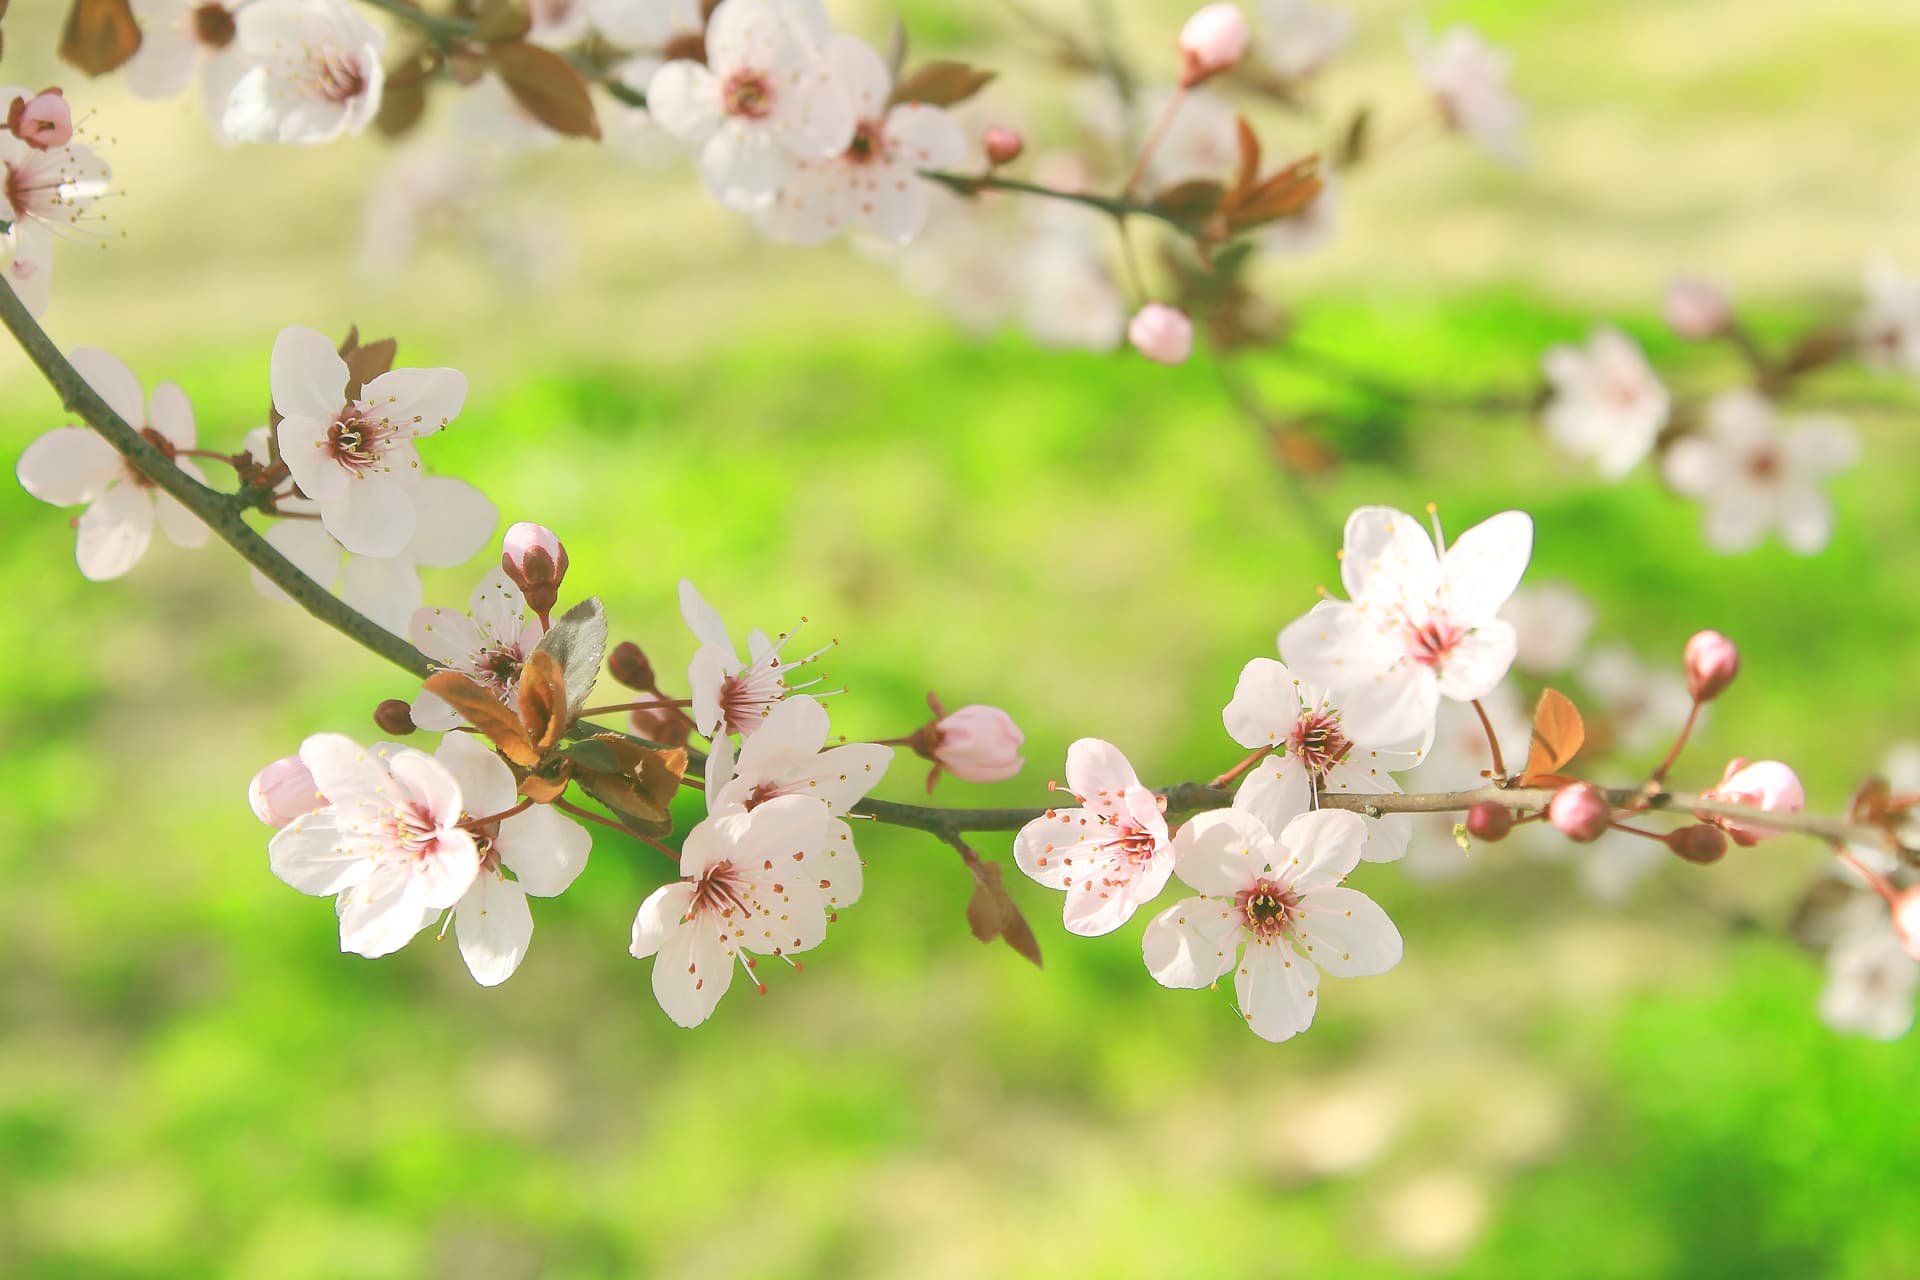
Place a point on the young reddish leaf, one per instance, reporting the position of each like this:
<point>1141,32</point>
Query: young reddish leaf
<point>941,84</point>
<point>366,360</point>
<point>636,782</point>
<point>1282,195</point>
<point>546,784</point>
<point>487,714</point>
<point>991,912</point>
<point>543,700</point>
<point>1557,735</point>
<point>100,35</point>
<point>1191,202</point>
<point>551,89</point>
<point>1249,154</point>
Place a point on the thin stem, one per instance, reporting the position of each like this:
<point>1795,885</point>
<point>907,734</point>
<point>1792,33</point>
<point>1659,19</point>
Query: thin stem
<point>588,815</point>
<point>1639,831</point>
<point>1679,743</point>
<point>1113,206</point>
<point>501,816</point>
<point>1226,779</point>
<point>661,705</point>
<point>1175,101</point>
<point>1493,741</point>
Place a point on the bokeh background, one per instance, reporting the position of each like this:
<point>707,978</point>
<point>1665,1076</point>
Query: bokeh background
<point>194,1082</point>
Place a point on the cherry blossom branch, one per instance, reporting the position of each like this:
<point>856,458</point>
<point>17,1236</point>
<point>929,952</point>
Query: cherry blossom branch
<point>1118,207</point>
<point>438,27</point>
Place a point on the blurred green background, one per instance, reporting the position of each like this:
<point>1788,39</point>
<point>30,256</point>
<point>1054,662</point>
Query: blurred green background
<point>193,1082</point>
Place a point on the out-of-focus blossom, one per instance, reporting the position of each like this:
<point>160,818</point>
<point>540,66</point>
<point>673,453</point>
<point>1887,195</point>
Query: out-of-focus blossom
<point>43,194</point>
<point>558,24</point>
<point>1161,333</point>
<point>1551,623</point>
<point>1299,38</point>
<point>1607,405</point>
<point>431,195</point>
<point>315,72</point>
<point>1753,473</point>
<point>1871,984</point>
<point>1111,853</point>
<point>1697,309</point>
<point>1458,760</point>
<point>181,37</point>
<point>1468,78</point>
<point>1644,706</point>
<point>1888,329</point>
<point>70,466</point>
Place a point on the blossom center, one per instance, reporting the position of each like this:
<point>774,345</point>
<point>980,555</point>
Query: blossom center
<point>213,26</point>
<point>720,888</point>
<point>411,831</point>
<point>356,440</point>
<point>499,666</point>
<point>1266,908</point>
<point>748,94</point>
<point>486,840</point>
<point>869,143</point>
<point>1763,464</point>
<point>1316,741</point>
<point>1429,642</point>
<point>762,793</point>
<point>334,78</point>
<point>1133,844</point>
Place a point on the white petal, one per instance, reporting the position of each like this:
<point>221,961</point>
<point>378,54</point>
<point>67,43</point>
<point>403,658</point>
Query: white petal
<point>1396,705</point>
<point>659,916</point>
<point>429,784</point>
<point>484,782</point>
<point>1485,564</point>
<point>1479,661</point>
<point>691,971</point>
<point>171,414</point>
<point>1338,645</point>
<point>387,591</point>
<point>1265,706</point>
<point>113,381</point>
<point>455,521</point>
<point>303,447</point>
<point>1276,791</point>
<point>115,531</point>
<point>373,517</point>
<point>703,619</point>
<point>743,168</point>
<point>1096,769</point>
<point>1053,849</point>
<point>67,466</point>
<point>1192,942</point>
<point>1388,557</point>
<point>381,914</point>
<point>494,926</point>
<point>1806,519</point>
<point>308,377</point>
<point>310,547</point>
<point>684,99</point>
<point>1222,851</point>
<point>164,62</point>
<point>310,854</point>
<point>546,850</point>
<point>1278,991</point>
<point>347,774</point>
<point>813,115</point>
<point>1346,933</point>
<point>1321,847</point>
<point>861,73</point>
<point>182,527</point>
<point>417,401</point>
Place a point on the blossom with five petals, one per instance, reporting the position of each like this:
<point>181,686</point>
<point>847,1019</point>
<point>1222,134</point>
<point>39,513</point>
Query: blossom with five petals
<point>489,643</point>
<point>179,37</point>
<point>730,696</point>
<point>1607,404</point>
<point>1468,79</point>
<point>1753,473</point>
<point>315,73</point>
<point>1111,853</point>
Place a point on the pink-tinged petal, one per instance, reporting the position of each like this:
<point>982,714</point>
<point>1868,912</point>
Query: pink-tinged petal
<point>171,414</point>
<point>480,778</point>
<point>303,447</point>
<point>1222,851</point>
<point>433,713</point>
<point>924,137</point>
<point>347,774</point>
<point>387,591</point>
<point>448,637</point>
<point>311,854</point>
<point>835,867</point>
<point>1141,808</point>
<point>310,547</point>
<point>115,531</point>
<point>684,99</point>
<point>838,778</point>
<point>114,382</point>
<point>1479,661</point>
<point>443,877</point>
<point>1338,645</point>
<point>1484,565</point>
<point>67,466</point>
<point>792,733</point>
<point>544,849</point>
<point>418,402</point>
<point>1346,933</point>
<point>1098,773</point>
<point>1055,850</point>
<point>1192,942</point>
<point>743,168</point>
<point>861,73</point>
<point>814,117</point>
<point>182,527</point>
<point>428,784</point>
<point>705,674</point>
<point>381,914</point>
<point>374,516</point>
<point>308,378</point>
<point>1277,790</point>
<point>1320,848</point>
<point>494,926</point>
<point>1100,903</point>
<point>1265,705</point>
<point>456,520</point>
<point>691,971</point>
<point>1388,558</point>
<point>659,916</point>
<point>703,619</point>
<point>1277,990</point>
<point>498,607</point>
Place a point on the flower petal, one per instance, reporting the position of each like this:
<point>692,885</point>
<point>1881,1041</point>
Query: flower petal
<point>659,916</point>
<point>494,926</point>
<point>1222,851</point>
<point>1265,706</point>
<point>1388,558</point>
<point>1192,942</point>
<point>67,466</point>
<point>115,531</point>
<point>1346,933</point>
<point>1278,991</point>
<point>546,850</point>
<point>115,383</point>
<point>308,377</point>
<point>1321,847</point>
<point>1484,565</point>
<point>311,854</point>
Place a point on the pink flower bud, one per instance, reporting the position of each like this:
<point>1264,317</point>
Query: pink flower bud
<point>1765,784</point>
<point>1906,919</point>
<point>1700,843</point>
<point>1712,662</point>
<point>1488,821</point>
<point>1003,145</point>
<point>1214,38</point>
<point>1161,333</point>
<point>534,558</point>
<point>978,744</point>
<point>1697,310</point>
<point>43,121</point>
<point>283,791</point>
<point>1580,812</point>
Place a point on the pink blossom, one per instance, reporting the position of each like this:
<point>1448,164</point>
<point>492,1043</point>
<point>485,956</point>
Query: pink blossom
<point>1468,78</point>
<point>1607,405</point>
<point>43,121</point>
<point>283,791</point>
<point>181,37</point>
<point>1161,333</point>
<point>1697,309</point>
<point>1111,854</point>
<point>1764,784</point>
<point>1712,662</point>
<point>533,556</point>
<point>1212,40</point>
<point>1279,901</point>
<point>316,72</point>
<point>1580,812</point>
<point>489,643</point>
<point>977,744</point>
<point>730,696</point>
<point>1753,472</point>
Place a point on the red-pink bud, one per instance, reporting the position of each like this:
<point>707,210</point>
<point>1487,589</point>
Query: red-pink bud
<point>629,665</point>
<point>394,717</point>
<point>534,558</point>
<point>1701,843</point>
<point>43,121</point>
<point>1003,145</point>
<point>977,744</point>
<point>1161,333</point>
<point>1712,662</point>
<point>1212,40</point>
<point>1696,309</point>
<point>1580,812</point>
<point>283,791</point>
<point>1906,919</point>
<point>1489,821</point>
<point>1764,784</point>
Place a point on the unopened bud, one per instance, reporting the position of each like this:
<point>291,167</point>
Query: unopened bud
<point>1489,821</point>
<point>1906,919</point>
<point>43,121</point>
<point>1701,843</point>
<point>1697,310</point>
<point>1580,812</point>
<point>1764,784</point>
<point>975,744</point>
<point>1003,145</point>
<point>534,558</point>
<point>394,717</point>
<point>1712,662</point>
<point>1212,40</point>
<point>1161,333</point>
<point>628,664</point>
<point>283,791</point>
